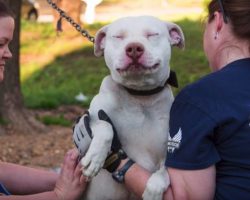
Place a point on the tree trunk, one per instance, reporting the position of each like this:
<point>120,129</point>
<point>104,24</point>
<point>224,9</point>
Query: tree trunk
<point>72,8</point>
<point>12,109</point>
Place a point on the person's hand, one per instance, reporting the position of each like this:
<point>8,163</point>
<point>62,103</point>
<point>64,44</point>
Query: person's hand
<point>71,183</point>
<point>82,135</point>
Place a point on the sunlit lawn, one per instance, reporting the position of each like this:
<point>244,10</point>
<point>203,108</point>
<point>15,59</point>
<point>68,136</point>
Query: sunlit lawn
<point>55,69</point>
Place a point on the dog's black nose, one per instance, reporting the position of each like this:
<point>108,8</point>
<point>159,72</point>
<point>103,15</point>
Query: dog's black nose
<point>134,50</point>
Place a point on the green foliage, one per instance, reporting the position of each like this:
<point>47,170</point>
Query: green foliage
<point>190,64</point>
<point>36,36</point>
<point>51,120</point>
<point>64,67</point>
<point>3,121</point>
<point>60,81</point>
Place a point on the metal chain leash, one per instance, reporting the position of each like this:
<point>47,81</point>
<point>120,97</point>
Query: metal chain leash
<point>71,21</point>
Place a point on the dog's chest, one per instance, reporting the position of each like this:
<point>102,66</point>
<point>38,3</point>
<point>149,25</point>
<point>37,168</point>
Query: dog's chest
<point>142,129</point>
<point>143,121</point>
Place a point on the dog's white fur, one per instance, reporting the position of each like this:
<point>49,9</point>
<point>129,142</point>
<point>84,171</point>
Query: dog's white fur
<point>141,121</point>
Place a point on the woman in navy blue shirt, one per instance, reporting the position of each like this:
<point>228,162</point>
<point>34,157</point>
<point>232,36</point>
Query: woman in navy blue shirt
<point>209,139</point>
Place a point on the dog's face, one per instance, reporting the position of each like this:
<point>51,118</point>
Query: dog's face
<point>137,50</point>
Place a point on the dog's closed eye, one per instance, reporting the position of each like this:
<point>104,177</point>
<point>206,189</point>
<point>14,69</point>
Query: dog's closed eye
<point>118,36</point>
<point>149,35</point>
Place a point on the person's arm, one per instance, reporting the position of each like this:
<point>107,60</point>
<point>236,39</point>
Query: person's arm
<point>26,180</point>
<point>70,184</point>
<point>192,184</point>
<point>41,196</point>
<point>184,184</point>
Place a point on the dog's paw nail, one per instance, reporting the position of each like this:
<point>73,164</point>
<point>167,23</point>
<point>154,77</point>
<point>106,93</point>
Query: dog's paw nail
<point>85,163</point>
<point>87,173</point>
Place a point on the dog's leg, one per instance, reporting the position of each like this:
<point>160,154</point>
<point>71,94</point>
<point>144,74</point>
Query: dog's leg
<point>99,148</point>
<point>156,185</point>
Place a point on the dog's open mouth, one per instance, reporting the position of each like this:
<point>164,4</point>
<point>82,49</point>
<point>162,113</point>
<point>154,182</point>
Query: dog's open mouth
<point>138,68</point>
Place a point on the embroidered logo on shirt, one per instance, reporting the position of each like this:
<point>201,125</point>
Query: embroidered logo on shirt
<point>174,143</point>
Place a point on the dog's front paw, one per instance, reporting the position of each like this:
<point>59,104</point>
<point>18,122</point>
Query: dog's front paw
<point>96,155</point>
<point>92,163</point>
<point>156,185</point>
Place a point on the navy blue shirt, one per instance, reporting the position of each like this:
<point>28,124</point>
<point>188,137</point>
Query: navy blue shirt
<point>210,125</point>
<point>3,190</point>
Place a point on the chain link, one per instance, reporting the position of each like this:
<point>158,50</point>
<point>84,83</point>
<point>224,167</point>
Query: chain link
<point>71,21</point>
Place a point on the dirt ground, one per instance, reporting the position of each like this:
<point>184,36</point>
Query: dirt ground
<point>45,150</point>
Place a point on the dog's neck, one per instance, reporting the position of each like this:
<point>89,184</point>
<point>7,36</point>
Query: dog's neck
<point>172,80</point>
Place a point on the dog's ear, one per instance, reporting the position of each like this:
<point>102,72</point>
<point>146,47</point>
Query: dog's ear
<point>100,41</point>
<point>176,35</point>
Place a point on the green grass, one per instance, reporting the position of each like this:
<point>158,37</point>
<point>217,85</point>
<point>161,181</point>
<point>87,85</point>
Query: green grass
<point>55,69</point>
<point>3,121</point>
<point>60,81</point>
<point>191,63</point>
<point>51,120</point>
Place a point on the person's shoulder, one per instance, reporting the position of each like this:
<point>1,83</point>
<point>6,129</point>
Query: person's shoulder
<point>240,62</point>
<point>215,84</point>
<point>198,89</point>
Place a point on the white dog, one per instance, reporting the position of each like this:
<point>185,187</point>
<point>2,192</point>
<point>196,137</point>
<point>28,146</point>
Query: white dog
<point>137,98</point>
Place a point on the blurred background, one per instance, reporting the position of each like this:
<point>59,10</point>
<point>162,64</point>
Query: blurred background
<point>59,66</point>
<point>106,10</point>
<point>54,74</point>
